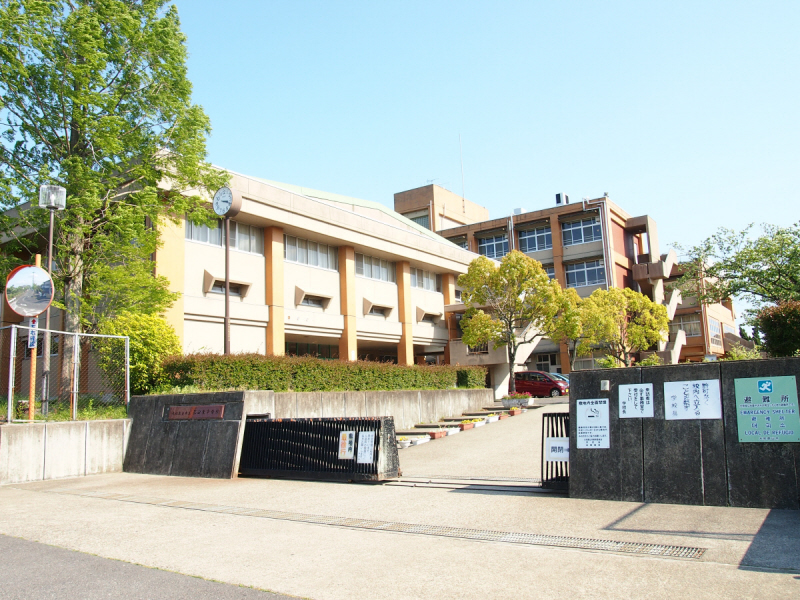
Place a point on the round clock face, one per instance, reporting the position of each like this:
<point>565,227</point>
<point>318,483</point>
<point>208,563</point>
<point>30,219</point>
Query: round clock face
<point>223,200</point>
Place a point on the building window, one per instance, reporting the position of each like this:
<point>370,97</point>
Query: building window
<point>533,240</point>
<point>689,324</point>
<point>581,274</point>
<point>310,253</point>
<point>426,280</point>
<point>460,242</point>
<point>375,268</point>
<point>551,271</point>
<point>581,232</point>
<point>377,311</point>
<point>318,350</point>
<point>247,238</point>
<point>314,301</point>
<point>54,340</point>
<point>204,234</point>
<point>426,318</point>
<point>546,362</point>
<point>730,329</point>
<point>716,332</point>
<point>458,296</point>
<point>493,247</point>
<point>424,220</point>
<point>219,288</point>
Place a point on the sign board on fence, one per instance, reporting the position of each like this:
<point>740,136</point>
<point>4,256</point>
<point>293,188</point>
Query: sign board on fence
<point>767,409</point>
<point>636,401</point>
<point>698,399</point>
<point>556,449</point>
<point>366,450</point>
<point>592,430</point>
<point>347,442</point>
<point>33,323</point>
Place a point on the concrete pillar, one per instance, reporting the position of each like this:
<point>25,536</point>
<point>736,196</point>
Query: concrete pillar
<point>558,251</point>
<point>348,344</point>
<point>449,293</point>
<point>499,376</point>
<point>170,261</point>
<point>405,349</point>
<point>273,253</point>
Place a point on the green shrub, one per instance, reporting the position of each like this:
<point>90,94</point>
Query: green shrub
<point>653,360</point>
<point>780,326</point>
<point>308,374</point>
<point>152,339</point>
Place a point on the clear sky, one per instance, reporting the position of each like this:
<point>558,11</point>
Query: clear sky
<point>686,111</point>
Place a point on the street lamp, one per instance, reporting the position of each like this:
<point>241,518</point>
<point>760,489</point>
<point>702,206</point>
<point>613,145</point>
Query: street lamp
<point>53,198</point>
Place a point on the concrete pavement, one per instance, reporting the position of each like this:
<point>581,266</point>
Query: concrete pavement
<point>252,532</point>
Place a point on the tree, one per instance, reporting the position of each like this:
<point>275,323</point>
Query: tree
<point>780,327</point>
<point>764,270</point>
<point>507,305</point>
<point>567,326</point>
<point>152,340</point>
<point>624,322</point>
<point>94,97</point>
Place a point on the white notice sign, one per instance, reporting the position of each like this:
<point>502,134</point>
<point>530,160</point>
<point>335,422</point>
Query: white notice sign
<point>692,400</point>
<point>347,442</point>
<point>556,449</point>
<point>592,431</point>
<point>636,401</point>
<point>366,441</point>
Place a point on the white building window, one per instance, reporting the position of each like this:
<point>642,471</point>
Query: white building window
<point>690,324</point>
<point>592,272</point>
<point>306,252</point>
<point>424,220</point>
<point>375,268</point>
<point>493,247</point>
<point>581,232</point>
<point>204,234</point>
<point>426,280</point>
<point>716,332</point>
<point>551,271</point>
<point>533,240</point>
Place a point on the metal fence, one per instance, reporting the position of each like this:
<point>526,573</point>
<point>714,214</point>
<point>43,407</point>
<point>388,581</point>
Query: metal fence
<point>555,451</point>
<point>61,376</point>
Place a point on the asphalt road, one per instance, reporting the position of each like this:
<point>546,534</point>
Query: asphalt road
<point>34,570</point>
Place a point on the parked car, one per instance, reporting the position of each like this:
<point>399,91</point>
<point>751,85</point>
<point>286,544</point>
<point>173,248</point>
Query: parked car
<point>539,383</point>
<point>561,376</point>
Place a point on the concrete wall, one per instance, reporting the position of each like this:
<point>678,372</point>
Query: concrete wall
<point>37,451</point>
<point>698,461</point>
<point>408,407</point>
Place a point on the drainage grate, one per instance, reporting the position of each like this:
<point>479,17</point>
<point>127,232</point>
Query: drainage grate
<point>483,535</point>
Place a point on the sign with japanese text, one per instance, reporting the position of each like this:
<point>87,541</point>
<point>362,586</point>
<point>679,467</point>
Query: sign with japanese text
<point>366,444</point>
<point>33,323</point>
<point>556,449</point>
<point>592,431</point>
<point>347,443</point>
<point>636,401</point>
<point>767,409</point>
<point>692,400</point>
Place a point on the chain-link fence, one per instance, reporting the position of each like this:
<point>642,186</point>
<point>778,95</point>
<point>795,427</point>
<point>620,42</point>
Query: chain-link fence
<point>60,376</point>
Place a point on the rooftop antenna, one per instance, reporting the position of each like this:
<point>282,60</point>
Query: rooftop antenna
<point>461,153</point>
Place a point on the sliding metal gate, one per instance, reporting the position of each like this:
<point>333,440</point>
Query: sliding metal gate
<point>555,434</point>
<point>348,449</point>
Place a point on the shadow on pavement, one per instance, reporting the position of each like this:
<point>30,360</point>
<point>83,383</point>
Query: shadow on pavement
<point>777,543</point>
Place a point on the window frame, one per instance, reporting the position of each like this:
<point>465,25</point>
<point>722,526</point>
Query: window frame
<point>598,266</point>
<point>590,224</point>
<point>528,235</point>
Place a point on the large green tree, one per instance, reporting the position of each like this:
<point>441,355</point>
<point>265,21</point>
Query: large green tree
<point>763,270</point>
<point>507,305</point>
<point>94,97</point>
<point>567,326</point>
<point>623,322</point>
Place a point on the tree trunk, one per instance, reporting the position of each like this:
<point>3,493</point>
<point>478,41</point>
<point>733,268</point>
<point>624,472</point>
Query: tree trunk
<point>73,292</point>
<point>512,384</point>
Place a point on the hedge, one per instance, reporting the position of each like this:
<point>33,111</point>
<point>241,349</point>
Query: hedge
<point>308,374</point>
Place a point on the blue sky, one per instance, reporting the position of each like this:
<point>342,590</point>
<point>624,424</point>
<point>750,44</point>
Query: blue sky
<point>686,111</point>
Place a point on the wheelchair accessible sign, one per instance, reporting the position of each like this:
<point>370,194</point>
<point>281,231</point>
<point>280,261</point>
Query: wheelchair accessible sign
<point>767,409</point>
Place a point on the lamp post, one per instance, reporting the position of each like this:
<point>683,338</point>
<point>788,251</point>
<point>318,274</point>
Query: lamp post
<point>53,198</point>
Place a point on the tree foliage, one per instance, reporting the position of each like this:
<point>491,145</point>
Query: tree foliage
<point>780,327</point>
<point>152,340</point>
<point>762,270</point>
<point>507,305</point>
<point>623,322</point>
<point>567,326</point>
<point>94,97</point>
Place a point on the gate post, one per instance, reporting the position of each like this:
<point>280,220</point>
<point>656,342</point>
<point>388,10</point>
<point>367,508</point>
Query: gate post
<point>12,353</point>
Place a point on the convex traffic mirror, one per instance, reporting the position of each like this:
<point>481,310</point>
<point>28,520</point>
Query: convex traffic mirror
<point>29,291</point>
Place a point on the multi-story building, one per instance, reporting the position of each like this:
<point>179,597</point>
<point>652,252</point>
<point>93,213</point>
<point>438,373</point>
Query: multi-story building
<point>587,245</point>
